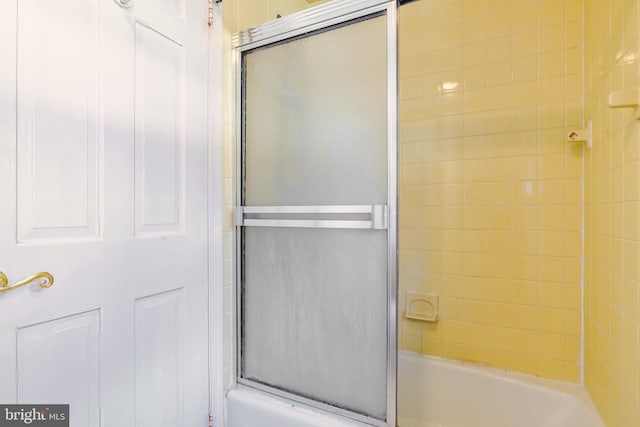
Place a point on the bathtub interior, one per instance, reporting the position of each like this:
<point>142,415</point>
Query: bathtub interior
<point>434,392</point>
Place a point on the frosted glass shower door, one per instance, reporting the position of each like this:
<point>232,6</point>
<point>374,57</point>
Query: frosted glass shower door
<point>316,235</point>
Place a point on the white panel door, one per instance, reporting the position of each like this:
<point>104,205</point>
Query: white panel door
<point>103,184</point>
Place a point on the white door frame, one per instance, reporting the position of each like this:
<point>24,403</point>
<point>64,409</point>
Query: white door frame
<point>215,215</point>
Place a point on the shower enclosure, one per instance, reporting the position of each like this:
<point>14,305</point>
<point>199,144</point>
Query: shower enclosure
<point>316,278</point>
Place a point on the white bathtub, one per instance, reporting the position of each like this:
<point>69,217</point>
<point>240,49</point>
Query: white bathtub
<point>439,393</point>
<point>249,408</point>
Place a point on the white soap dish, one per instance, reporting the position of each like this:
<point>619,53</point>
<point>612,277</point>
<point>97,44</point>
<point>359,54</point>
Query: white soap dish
<point>421,306</point>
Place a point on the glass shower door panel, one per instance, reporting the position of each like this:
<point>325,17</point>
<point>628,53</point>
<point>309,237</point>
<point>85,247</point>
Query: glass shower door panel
<point>315,304</point>
<point>314,299</point>
<point>316,119</point>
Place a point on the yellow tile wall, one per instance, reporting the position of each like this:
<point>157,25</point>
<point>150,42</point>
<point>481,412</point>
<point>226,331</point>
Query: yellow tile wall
<point>491,198</point>
<point>612,315</point>
<point>237,15</point>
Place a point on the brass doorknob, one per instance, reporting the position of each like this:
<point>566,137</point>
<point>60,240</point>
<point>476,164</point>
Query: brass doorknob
<point>46,282</point>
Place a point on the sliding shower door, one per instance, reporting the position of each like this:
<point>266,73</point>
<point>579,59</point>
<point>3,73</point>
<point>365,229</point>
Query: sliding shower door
<point>316,222</point>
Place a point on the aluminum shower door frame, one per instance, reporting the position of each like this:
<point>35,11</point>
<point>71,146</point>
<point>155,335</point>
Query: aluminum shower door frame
<point>314,19</point>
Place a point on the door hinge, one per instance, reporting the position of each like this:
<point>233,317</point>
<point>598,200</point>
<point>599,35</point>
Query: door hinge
<point>210,14</point>
<point>210,420</point>
<point>210,20</point>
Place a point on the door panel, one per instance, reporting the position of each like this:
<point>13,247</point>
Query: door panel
<point>49,351</point>
<point>58,60</point>
<point>160,133</point>
<point>159,330</point>
<point>103,182</point>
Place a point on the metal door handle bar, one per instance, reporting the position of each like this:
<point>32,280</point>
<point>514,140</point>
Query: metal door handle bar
<point>377,220</point>
<point>46,282</point>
